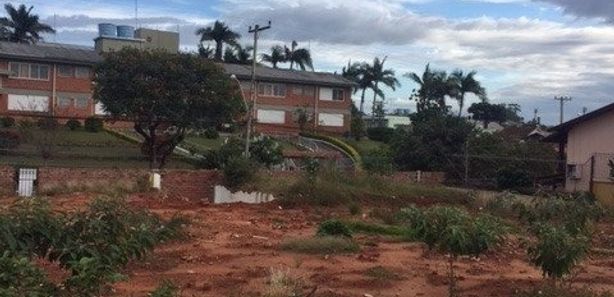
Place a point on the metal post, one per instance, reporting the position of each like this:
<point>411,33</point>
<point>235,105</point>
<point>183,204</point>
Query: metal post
<point>562,101</point>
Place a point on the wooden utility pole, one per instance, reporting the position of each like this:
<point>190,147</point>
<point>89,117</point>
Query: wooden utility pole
<point>562,101</point>
<point>256,29</point>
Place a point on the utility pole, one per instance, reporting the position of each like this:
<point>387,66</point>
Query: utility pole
<point>256,29</point>
<point>562,101</point>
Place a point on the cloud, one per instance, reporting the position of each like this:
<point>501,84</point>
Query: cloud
<point>603,9</point>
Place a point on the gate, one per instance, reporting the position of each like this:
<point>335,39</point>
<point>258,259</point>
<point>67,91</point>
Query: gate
<point>27,177</point>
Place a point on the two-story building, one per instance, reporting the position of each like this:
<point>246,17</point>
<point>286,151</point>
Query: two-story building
<point>46,80</point>
<point>280,93</point>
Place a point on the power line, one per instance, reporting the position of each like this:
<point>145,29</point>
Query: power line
<point>562,101</point>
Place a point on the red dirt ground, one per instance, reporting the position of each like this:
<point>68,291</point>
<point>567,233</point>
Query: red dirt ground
<point>231,249</point>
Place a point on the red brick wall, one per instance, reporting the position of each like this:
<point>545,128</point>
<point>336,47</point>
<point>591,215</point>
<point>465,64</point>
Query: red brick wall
<point>7,180</point>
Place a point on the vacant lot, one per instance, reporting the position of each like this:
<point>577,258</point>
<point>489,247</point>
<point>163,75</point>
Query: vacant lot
<point>231,250</point>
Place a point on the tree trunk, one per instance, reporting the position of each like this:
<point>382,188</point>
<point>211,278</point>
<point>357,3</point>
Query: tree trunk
<point>362,101</point>
<point>218,50</point>
<point>374,98</point>
<point>461,103</point>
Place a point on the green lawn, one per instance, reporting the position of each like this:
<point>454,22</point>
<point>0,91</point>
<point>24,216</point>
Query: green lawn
<point>365,145</point>
<point>202,143</point>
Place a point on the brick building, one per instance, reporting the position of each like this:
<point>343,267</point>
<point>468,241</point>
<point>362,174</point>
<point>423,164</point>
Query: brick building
<point>46,79</point>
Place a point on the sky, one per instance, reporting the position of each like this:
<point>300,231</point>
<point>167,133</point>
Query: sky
<point>525,51</point>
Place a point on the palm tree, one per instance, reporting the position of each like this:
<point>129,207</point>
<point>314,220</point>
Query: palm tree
<point>383,76</point>
<point>205,52</point>
<point>434,86</point>
<point>355,73</point>
<point>238,54</point>
<point>300,56</point>
<point>22,26</point>
<point>220,33</point>
<point>277,56</point>
<point>466,83</point>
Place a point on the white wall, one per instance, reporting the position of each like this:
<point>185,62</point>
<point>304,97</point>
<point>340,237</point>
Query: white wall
<point>269,116</point>
<point>330,119</point>
<point>326,94</point>
<point>28,103</point>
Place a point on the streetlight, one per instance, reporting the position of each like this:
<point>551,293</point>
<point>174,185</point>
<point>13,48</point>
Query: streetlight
<point>249,116</point>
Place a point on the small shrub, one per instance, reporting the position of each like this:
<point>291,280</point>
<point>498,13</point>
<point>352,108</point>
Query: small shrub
<point>357,127</point>
<point>321,245</point>
<point>19,277</point>
<point>73,124</point>
<point>7,122</point>
<point>381,273</point>
<point>334,228</point>
<point>514,179</point>
<point>9,140</point>
<point>211,133</point>
<point>557,251</point>
<point>266,151</point>
<point>26,123</point>
<point>378,161</point>
<point>47,123</point>
<point>238,171</point>
<point>93,124</point>
<point>165,289</point>
<point>354,208</point>
<point>383,134</point>
<point>281,284</point>
<point>210,159</point>
<point>380,229</point>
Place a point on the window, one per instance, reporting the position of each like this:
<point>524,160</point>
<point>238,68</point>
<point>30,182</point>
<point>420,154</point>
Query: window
<point>82,72</point>
<point>28,103</point>
<point>574,171</point>
<point>272,90</point>
<point>81,102</point>
<point>64,102</point>
<point>268,116</point>
<point>65,71</point>
<point>331,119</point>
<point>29,71</point>
<point>337,94</point>
<point>305,91</point>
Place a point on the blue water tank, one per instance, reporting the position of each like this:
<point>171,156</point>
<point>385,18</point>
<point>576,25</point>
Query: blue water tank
<point>107,29</point>
<point>125,31</point>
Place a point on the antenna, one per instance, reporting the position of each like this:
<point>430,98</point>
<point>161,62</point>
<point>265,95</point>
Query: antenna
<point>136,14</point>
<point>55,28</point>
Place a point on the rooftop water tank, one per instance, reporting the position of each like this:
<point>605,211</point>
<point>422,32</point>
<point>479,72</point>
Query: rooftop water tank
<point>107,30</point>
<point>125,31</point>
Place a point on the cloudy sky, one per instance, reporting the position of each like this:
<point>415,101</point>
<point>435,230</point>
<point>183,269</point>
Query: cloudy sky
<point>525,51</point>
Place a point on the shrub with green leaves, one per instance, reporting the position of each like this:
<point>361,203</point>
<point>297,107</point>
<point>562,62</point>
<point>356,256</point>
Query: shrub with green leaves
<point>19,278</point>
<point>93,124</point>
<point>334,228</point>
<point>7,122</point>
<point>557,251</point>
<point>73,124</point>
<point>165,289</point>
<point>9,140</point>
<point>238,171</point>
<point>47,123</point>
<point>211,133</point>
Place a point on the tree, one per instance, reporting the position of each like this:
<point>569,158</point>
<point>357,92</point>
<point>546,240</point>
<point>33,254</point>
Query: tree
<point>238,55</point>
<point>164,95</point>
<point>276,56</point>
<point>383,76</point>
<point>362,75</point>
<point>488,113</point>
<point>433,87</point>
<point>220,34</point>
<point>21,25</point>
<point>466,83</point>
<point>298,56</point>
<point>205,52</point>
<point>512,113</point>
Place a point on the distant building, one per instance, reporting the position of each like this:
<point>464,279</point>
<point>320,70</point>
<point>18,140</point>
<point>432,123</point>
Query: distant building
<point>141,38</point>
<point>587,145</point>
<point>390,121</point>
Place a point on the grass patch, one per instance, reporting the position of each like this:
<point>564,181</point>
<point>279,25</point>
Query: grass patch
<point>321,245</point>
<point>379,229</point>
<point>381,273</point>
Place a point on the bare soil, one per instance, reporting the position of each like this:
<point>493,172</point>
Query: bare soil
<point>231,249</point>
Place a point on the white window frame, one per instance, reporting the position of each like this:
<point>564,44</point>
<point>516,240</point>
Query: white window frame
<point>342,94</point>
<point>264,116</point>
<point>66,67</point>
<point>64,99</point>
<point>29,67</point>
<point>268,90</point>
<point>36,107</point>
<point>330,116</point>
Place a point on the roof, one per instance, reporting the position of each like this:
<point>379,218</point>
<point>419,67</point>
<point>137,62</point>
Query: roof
<point>264,73</point>
<point>49,52</point>
<point>560,131</point>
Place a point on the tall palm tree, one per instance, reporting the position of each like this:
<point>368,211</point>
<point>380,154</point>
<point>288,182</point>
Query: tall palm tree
<point>220,33</point>
<point>276,56</point>
<point>21,25</point>
<point>355,72</point>
<point>383,76</point>
<point>298,56</point>
<point>205,52</point>
<point>466,83</point>
<point>238,54</point>
<point>433,87</point>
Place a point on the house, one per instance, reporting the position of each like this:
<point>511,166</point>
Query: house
<point>281,92</point>
<point>587,144</point>
<point>46,79</point>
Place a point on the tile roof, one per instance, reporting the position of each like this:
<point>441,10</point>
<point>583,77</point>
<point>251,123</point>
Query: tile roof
<point>264,73</point>
<point>49,52</point>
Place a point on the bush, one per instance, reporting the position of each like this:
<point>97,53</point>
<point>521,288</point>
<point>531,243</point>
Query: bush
<point>357,127</point>
<point>211,133</point>
<point>379,161</point>
<point>557,251</point>
<point>18,275</point>
<point>9,140</point>
<point>514,179</point>
<point>321,245</point>
<point>266,151</point>
<point>238,171</point>
<point>7,122</point>
<point>47,123</point>
<point>93,124</point>
<point>382,134</point>
<point>73,124</point>
<point>166,289</point>
<point>334,228</point>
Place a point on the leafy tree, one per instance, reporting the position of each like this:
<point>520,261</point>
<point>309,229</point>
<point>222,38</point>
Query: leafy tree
<point>466,83</point>
<point>357,125</point>
<point>220,34</point>
<point>512,113</point>
<point>303,118</point>
<point>205,52</point>
<point>298,56</point>
<point>21,25</point>
<point>433,87</point>
<point>361,74</point>
<point>488,113</point>
<point>382,76</point>
<point>238,54</point>
<point>164,95</point>
<point>276,56</point>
